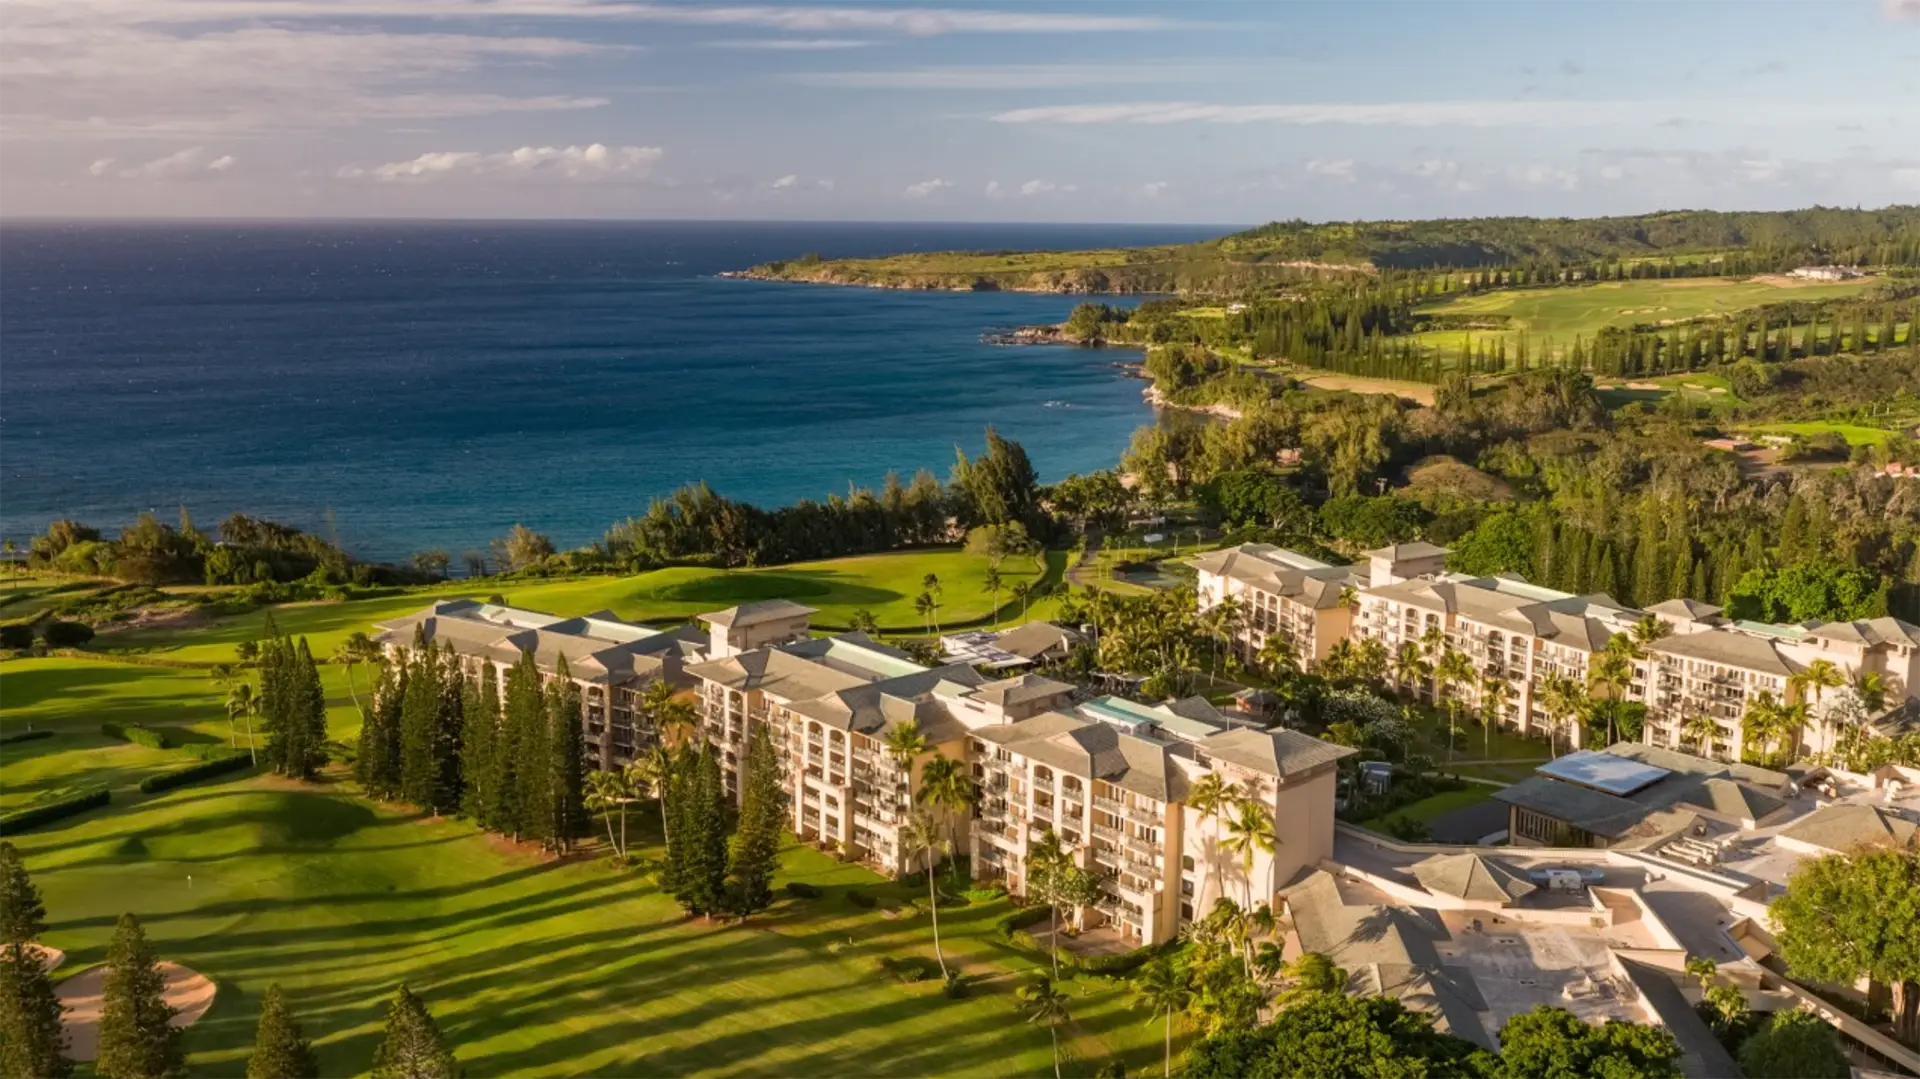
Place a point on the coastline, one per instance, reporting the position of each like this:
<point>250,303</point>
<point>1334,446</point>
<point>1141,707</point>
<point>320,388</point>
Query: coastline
<point>978,284</point>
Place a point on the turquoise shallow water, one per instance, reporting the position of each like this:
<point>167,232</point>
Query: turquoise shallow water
<point>432,384</point>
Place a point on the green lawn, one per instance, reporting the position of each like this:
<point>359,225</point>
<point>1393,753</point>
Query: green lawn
<point>71,762</point>
<point>76,695</point>
<point>1561,313</point>
<point>885,584</point>
<point>1858,436</point>
<point>1426,809</point>
<point>531,966</point>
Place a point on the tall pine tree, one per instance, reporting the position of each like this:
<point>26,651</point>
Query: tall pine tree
<point>33,1042</point>
<point>279,1051</point>
<point>701,876</point>
<point>521,752</point>
<point>419,725</point>
<point>566,767</point>
<point>755,851</point>
<point>480,731</point>
<point>137,1037</point>
<point>377,764</point>
<point>412,1047</point>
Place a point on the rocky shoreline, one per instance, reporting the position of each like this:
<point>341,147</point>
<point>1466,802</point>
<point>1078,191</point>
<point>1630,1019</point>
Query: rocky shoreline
<point>1044,285</point>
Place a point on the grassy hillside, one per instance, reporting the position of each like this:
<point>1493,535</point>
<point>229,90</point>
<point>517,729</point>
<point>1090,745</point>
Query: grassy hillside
<point>1289,249</point>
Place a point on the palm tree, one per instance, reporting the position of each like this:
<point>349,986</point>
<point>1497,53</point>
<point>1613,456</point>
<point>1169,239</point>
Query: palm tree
<point>1612,671</point>
<point>1872,687</point>
<point>1410,667</point>
<point>1454,669</point>
<point>1209,797</point>
<point>1046,1006</point>
<point>358,648</point>
<point>652,769</point>
<point>1647,630</point>
<point>906,743</point>
<point>1563,698</point>
<point>1278,658</point>
<point>243,703</point>
<point>946,786</point>
<point>1249,832</point>
<point>1046,858</point>
<point>918,835</point>
<point>1818,676</point>
<point>1763,723</point>
<point>223,674</point>
<point>1495,694</point>
<point>923,606</point>
<point>1698,730</point>
<point>1163,990</point>
<point>1020,591</point>
<point>606,793</point>
<point>992,581</point>
<point>673,716</point>
<point>1370,660</point>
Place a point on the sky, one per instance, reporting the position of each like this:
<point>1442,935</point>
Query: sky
<point>1020,110</point>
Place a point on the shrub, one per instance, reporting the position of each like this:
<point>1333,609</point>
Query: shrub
<point>984,895</point>
<point>1112,1069</point>
<point>802,890</point>
<point>16,635</point>
<point>861,899</point>
<point>208,751</point>
<point>1014,920</point>
<point>33,816</point>
<point>138,735</point>
<point>956,985</point>
<point>910,968</point>
<point>193,773</point>
<point>23,736</point>
<point>59,634</point>
<point>1125,962</point>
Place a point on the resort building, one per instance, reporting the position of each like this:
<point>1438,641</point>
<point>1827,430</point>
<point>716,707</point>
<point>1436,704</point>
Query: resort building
<point>1513,631</point>
<point>610,659</point>
<point>1109,776</point>
<point>1709,667</point>
<point>1634,796</point>
<point>1280,593</point>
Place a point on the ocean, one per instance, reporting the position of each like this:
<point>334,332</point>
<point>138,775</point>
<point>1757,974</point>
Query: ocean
<point>431,384</point>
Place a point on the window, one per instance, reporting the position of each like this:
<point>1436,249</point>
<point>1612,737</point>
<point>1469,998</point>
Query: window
<point>1186,862</point>
<point>1186,911</point>
<point>1186,887</point>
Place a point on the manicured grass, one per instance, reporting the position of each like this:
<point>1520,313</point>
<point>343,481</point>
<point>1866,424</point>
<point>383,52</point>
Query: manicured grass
<point>1858,436</point>
<point>69,763</point>
<point>533,966</point>
<point>885,584</point>
<point>78,694</point>
<point>1428,808</point>
<point>1561,313</point>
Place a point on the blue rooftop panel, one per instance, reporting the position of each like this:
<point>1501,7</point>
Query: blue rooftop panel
<point>1603,772</point>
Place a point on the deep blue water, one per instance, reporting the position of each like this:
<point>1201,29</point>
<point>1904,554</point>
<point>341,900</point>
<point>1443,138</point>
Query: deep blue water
<point>432,384</point>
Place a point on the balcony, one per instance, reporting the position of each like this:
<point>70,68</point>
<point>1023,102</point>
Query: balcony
<point>1146,816</point>
<point>1108,804</point>
<point>1111,835</point>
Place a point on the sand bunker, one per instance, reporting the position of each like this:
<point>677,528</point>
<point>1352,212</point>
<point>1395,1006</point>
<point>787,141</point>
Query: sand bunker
<point>50,958</point>
<point>189,991</point>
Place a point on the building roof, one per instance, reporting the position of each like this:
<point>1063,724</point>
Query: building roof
<point>1021,688</point>
<point>1514,606</point>
<point>1092,750</point>
<point>748,614</point>
<point>599,647</point>
<point>1731,799</point>
<point>1847,826</point>
<point>1701,1054</point>
<point>1416,549</point>
<point>1034,639</point>
<point>1281,572</point>
<point>1278,753</point>
<point>1728,648</point>
<point>1472,876</point>
<point>1870,632</point>
<point>1686,763</point>
<point>1686,609</point>
<point>1385,950</point>
<point>1606,772</point>
<point>1581,807</point>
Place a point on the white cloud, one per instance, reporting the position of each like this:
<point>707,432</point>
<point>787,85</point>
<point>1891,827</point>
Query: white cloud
<point>789,44</point>
<point>784,182</point>
<point>1543,175</point>
<point>73,73</point>
<point>800,19</point>
<point>180,164</point>
<point>924,188</point>
<point>993,189</point>
<point>1045,187</point>
<point>592,162</point>
<point>824,185</point>
<point>1385,114</point>
<point>1005,76</point>
<point>1155,188</point>
<point>1337,170</point>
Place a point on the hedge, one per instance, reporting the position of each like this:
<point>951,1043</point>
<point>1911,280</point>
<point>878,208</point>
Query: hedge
<point>209,751</point>
<point>802,890</point>
<point>138,735</point>
<point>23,736</point>
<point>34,816</point>
<point>192,773</point>
<point>1126,962</point>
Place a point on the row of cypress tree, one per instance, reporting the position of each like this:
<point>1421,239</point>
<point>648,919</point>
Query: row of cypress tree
<point>137,1039</point>
<point>293,706</point>
<point>719,861</point>
<point>511,758</point>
